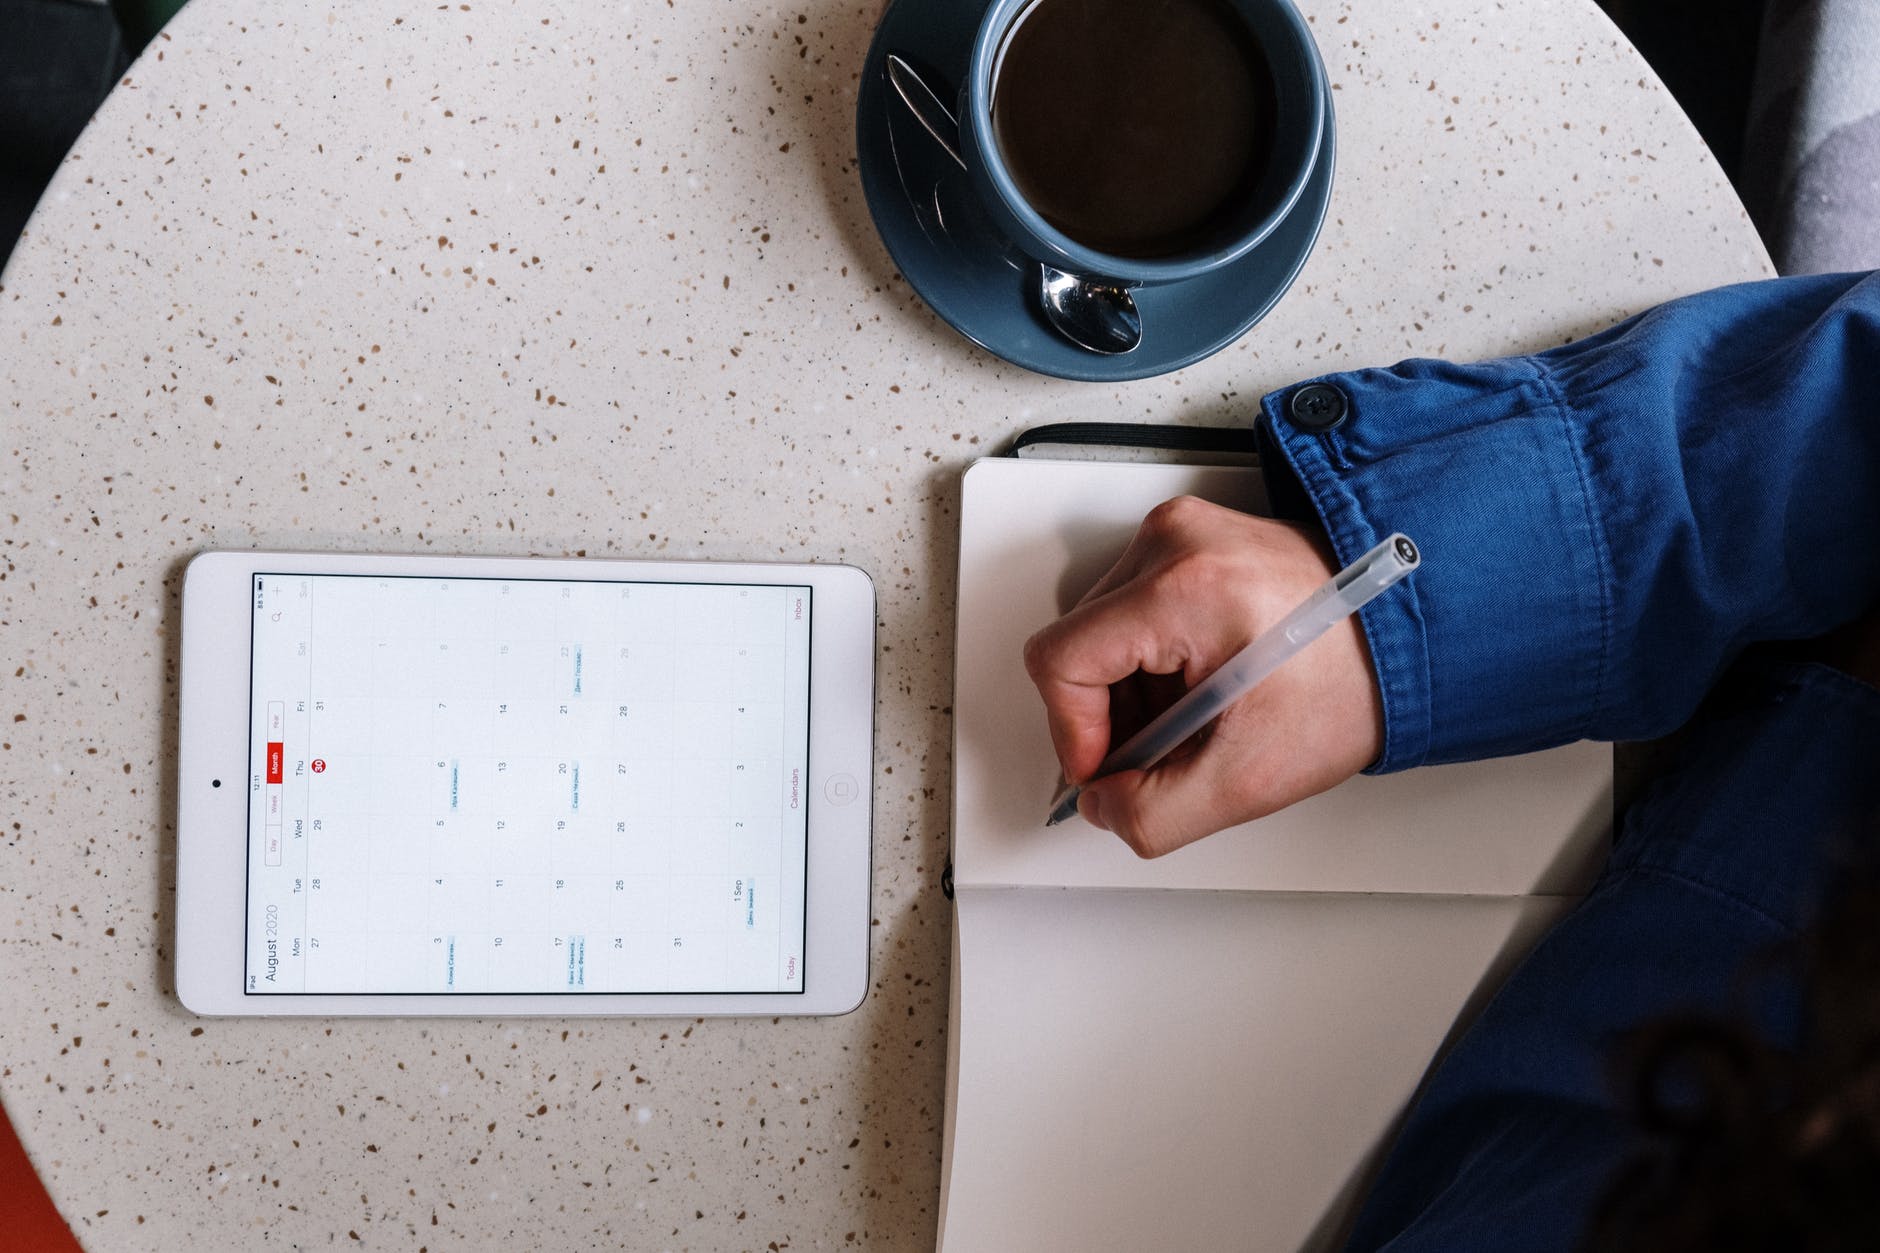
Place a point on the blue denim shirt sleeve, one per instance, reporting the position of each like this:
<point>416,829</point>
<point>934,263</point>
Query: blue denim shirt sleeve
<point>1605,525</point>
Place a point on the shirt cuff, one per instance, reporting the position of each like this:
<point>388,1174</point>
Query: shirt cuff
<point>1497,643</point>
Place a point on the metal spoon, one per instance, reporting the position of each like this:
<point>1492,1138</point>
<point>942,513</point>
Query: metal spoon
<point>934,117</point>
<point>1096,316</point>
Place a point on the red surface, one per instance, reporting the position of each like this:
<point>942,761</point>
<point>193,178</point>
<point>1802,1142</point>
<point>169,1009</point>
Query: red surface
<point>27,1217</point>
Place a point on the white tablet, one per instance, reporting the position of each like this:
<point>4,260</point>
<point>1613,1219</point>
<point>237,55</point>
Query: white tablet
<point>499,786</point>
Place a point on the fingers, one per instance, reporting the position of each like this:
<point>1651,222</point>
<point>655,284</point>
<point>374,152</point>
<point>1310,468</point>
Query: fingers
<point>1314,724</point>
<point>1157,811</point>
<point>1225,775</point>
<point>1131,620</point>
<point>1195,585</point>
<point>1076,659</point>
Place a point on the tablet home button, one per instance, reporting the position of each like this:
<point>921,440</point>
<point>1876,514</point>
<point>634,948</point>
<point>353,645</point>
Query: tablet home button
<point>841,789</point>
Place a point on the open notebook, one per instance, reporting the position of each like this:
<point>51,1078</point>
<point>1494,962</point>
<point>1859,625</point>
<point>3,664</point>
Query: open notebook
<point>1206,1051</point>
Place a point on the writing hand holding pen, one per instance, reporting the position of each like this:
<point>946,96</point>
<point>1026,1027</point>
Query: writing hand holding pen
<point>1196,586</point>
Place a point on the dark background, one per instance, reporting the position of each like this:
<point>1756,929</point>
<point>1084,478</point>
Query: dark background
<point>58,58</point>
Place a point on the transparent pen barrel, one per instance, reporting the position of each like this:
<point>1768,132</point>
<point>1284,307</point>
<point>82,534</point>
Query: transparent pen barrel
<point>1347,592</point>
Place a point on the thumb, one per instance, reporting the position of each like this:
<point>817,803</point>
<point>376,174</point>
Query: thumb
<point>1156,811</point>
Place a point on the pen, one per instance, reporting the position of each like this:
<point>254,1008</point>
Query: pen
<point>1347,592</point>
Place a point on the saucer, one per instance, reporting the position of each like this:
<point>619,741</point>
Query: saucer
<point>948,248</point>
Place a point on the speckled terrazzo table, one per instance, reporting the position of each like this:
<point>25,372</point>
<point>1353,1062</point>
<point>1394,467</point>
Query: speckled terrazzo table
<point>554,278</point>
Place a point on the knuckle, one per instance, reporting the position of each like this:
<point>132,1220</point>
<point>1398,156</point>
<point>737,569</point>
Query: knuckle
<point>1038,653</point>
<point>1174,517</point>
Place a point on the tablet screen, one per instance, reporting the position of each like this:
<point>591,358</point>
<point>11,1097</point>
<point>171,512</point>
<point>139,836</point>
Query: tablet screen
<point>475,785</point>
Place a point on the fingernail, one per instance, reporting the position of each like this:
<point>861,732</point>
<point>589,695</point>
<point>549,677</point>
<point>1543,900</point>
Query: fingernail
<point>1091,807</point>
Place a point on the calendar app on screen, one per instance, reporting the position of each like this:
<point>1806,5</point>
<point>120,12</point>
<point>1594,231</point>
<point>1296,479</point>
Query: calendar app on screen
<point>478,785</point>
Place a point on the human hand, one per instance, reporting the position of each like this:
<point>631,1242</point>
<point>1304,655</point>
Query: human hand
<point>1195,586</point>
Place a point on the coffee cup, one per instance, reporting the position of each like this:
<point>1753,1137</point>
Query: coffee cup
<point>1140,142</point>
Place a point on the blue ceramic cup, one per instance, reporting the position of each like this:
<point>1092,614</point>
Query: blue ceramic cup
<point>1300,99</point>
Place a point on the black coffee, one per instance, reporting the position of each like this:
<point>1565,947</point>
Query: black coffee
<point>1136,127</point>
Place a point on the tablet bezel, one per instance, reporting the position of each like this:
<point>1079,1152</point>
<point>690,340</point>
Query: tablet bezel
<point>212,822</point>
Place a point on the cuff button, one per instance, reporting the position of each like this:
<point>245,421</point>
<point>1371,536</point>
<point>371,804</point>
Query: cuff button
<point>1318,407</point>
